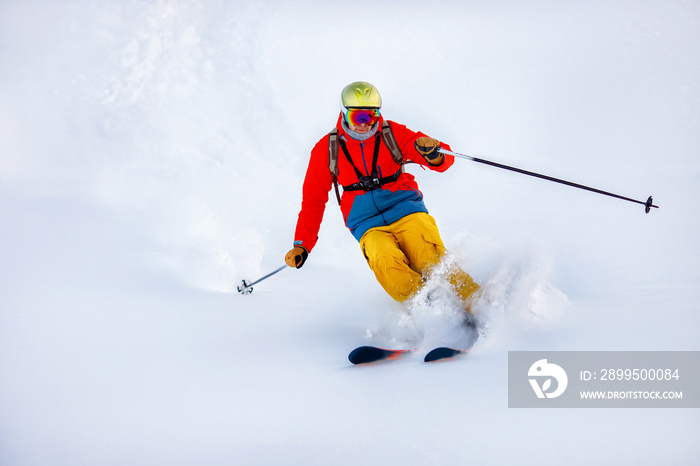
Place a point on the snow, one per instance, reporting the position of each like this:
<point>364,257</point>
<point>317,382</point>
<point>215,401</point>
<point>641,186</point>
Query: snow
<point>152,155</point>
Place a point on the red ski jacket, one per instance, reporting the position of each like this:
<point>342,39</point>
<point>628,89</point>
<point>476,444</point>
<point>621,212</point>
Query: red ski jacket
<point>362,210</point>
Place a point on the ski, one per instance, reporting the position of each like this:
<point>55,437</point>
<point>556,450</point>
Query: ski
<point>365,354</point>
<point>443,352</point>
<point>466,343</point>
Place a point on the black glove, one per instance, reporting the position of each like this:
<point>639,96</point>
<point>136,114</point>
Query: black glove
<point>296,257</point>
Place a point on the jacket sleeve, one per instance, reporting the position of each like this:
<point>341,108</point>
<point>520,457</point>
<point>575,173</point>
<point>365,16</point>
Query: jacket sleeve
<point>317,183</point>
<point>406,140</point>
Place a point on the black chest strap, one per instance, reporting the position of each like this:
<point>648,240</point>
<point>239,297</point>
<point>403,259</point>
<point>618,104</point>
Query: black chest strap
<point>366,183</point>
<point>373,181</point>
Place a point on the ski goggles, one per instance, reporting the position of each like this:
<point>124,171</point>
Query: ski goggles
<point>361,116</point>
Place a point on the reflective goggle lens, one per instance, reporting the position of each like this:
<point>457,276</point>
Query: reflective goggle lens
<point>359,116</point>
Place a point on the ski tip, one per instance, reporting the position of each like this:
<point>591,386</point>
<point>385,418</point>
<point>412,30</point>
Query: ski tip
<point>366,354</point>
<point>442,353</point>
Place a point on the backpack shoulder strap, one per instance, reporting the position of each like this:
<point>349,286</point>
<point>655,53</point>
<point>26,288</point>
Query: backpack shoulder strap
<point>390,143</point>
<point>333,145</point>
<point>333,152</point>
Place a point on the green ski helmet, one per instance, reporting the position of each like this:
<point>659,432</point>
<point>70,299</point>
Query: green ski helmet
<point>360,95</point>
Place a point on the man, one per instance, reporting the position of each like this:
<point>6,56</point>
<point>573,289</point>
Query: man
<point>381,205</point>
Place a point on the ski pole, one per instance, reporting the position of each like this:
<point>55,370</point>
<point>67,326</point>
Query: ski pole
<point>247,288</point>
<point>648,204</point>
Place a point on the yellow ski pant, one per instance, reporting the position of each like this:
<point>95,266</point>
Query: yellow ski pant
<point>401,254</point>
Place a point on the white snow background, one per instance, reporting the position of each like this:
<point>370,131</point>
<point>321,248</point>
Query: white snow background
<point>152,155</point>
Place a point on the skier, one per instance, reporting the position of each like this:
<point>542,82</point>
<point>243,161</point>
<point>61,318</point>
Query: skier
<point>381,204</point>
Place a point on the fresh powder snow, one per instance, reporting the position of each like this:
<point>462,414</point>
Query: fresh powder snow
<point>152,155</point>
